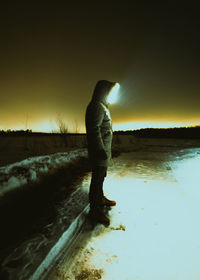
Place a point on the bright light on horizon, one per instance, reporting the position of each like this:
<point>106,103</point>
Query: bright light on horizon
<point>140,125</point>
<point>48,126</point>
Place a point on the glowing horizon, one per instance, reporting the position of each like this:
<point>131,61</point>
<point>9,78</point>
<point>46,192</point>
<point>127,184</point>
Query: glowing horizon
<point>140,125</point>
<point>47,126</point>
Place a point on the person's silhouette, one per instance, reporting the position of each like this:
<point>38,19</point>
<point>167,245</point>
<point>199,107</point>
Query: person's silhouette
<point>99,140</point>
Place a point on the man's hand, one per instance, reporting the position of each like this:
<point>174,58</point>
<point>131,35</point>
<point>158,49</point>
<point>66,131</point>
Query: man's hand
<point>101,154</point>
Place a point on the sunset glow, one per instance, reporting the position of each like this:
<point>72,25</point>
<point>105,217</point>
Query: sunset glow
<point>48,126</point>
<point>52,66</point>
<point>139,125</point>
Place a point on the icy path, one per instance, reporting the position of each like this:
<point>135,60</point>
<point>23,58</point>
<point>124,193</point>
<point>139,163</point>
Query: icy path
<point>155,231</point>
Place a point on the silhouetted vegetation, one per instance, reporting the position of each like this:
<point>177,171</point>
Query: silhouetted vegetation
<point>30,132</point>
<point>18,132</point>
<point>175,132</point>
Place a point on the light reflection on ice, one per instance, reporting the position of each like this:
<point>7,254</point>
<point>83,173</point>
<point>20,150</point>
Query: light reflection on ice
<point>188,174</point>
<point>155,230</point>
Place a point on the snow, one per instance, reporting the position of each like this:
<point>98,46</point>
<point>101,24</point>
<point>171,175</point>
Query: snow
<point>63,242</point>
<point>29,170</point>
<point>154,232</point>
<point>36,254</point>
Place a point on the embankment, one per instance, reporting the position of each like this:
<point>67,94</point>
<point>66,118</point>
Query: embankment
<point>15,148</point>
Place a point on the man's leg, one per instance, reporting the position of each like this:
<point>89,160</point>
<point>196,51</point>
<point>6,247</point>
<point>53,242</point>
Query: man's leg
<point>96,195</point>
<point>96,186</point>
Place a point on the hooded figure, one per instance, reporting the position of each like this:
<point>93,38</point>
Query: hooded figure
<point>99,140</point>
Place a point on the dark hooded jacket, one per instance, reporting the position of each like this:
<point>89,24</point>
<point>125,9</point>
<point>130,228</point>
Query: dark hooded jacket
<point>99,125</point>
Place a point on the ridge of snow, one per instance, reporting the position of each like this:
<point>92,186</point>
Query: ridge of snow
<point>29,170</point>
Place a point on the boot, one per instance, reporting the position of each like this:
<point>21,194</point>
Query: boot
<point>99,216</point>
<point>107,202</point>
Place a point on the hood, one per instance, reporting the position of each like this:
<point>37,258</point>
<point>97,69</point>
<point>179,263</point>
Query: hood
<point>102,90</point>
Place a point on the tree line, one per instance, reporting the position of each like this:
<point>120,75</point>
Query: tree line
<point>175,132</point>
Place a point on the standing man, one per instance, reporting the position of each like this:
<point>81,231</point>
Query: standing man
<point>99,140</point>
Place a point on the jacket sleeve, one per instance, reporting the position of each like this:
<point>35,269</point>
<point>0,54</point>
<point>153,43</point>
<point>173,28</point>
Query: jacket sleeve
<point>94,118</point>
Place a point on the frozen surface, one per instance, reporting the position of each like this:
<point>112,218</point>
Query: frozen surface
<point>155,231</point>
<point>20,173</point>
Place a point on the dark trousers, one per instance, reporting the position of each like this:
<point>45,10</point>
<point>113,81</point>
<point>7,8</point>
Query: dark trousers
<point>96,186</point>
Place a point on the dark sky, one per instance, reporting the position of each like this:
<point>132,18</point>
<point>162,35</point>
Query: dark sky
<point>52,54</point>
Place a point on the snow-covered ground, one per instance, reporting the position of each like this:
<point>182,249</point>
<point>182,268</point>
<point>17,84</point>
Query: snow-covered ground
<point>155,231</point>
<point>29,170</point>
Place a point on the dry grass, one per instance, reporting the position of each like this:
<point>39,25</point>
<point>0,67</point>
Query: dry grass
<point>15,148</point>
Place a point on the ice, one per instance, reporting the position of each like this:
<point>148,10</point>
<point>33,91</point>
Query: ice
<point>154,231</point>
